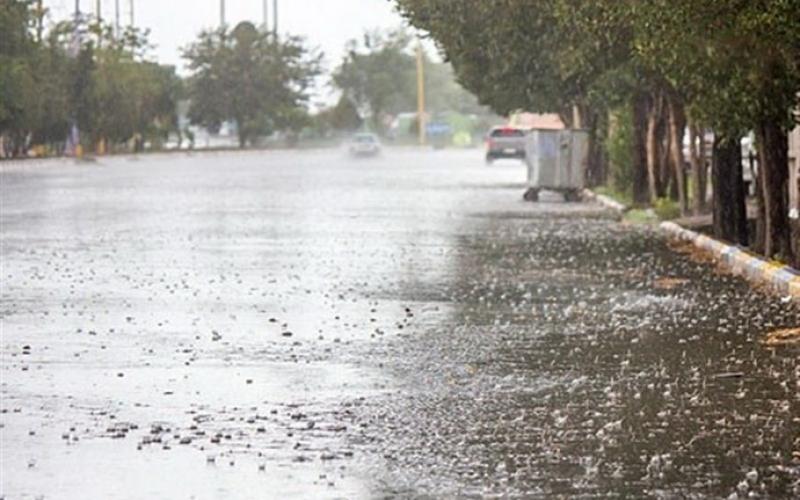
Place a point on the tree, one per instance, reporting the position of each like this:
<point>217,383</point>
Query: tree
<point>250,77</point>
<point>736,65</point>
<point>547,56</point>
<point>341,117</point>
<point>378,76</point>
<point>82,74</point>
<point>729,65</point>
<point>17,92</point>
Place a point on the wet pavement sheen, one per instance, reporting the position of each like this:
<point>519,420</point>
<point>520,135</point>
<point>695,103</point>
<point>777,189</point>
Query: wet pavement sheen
<point>284,324</point>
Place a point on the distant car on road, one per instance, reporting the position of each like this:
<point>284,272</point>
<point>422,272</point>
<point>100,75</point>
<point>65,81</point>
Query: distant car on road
<point>505,142</point>
<point>364,144</point>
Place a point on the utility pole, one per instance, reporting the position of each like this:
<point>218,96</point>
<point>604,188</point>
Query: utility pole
<point>275,18</point>
<point>133,16</point>
<point>421,95</point>
<point>221,13</point>
<point>39,20</point>
<point>98,12</point>
<point>266,15</point>
<point>74,136</point>
<point>116,18</point>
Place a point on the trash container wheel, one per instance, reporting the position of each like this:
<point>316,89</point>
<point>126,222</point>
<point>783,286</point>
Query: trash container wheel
<point>532,194</point>
<point>572,195</point>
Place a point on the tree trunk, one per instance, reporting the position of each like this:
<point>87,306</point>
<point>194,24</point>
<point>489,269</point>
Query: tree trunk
<point>761,215</point>
<point>677,127</point>
<point>730,212</point>
<point>241,135</point>
<point>669,184</point>
<point>587,119</point>
<point>774,172</point>
<point>698,165</point>
<point>653,149</point>
<point>641,195</point>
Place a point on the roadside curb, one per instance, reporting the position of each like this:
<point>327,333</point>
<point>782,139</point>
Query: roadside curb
<point>782,279</point>
<point>607,202</point>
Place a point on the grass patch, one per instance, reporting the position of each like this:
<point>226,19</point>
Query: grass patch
<point>641,216</point>
<point>624,198</point>
<point>667,209</point>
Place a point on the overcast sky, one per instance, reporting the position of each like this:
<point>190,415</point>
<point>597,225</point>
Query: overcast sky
<point>327,24</point>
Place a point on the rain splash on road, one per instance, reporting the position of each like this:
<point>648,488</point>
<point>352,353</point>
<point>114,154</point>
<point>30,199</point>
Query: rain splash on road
<point>304,325</point>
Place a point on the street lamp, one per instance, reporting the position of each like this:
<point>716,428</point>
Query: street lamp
<point>275,17</point>
<point>421,95</point>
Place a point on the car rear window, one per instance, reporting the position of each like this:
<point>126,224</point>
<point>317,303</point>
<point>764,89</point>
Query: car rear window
<point>507,132</point>
<point>365,138</point>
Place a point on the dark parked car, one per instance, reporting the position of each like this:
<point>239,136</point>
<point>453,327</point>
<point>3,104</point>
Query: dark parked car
<point>505,142</point>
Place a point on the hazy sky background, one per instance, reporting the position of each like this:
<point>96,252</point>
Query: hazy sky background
<point>328,24</point>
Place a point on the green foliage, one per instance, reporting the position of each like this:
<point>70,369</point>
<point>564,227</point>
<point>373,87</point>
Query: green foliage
<point>641,216</point>
<point>341,117</point>
<point>379,77</point>
<point>541,56</point>
<point>100,82</point>
<point>666,209</point>
<point>735,62</point>
<point>619,145</point>
<point>250,77</point>
<point>623,197</point>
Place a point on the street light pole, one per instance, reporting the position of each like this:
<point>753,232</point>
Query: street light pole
<point>39,20</point>
<point>116,18</point>
<point>275,17</point>
<point>98,11</point>
<point>421,95</point>
<point>222,13</point>
<point>133,16</point>
<point>266,15</point>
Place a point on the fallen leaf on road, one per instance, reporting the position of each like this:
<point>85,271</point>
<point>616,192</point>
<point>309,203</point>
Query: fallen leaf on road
<point>669,283</point>
<point>785,336</point>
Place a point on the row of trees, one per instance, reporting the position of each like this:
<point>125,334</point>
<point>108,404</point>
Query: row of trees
<point>78,75</point>
<point>377,79</point>
<point>651,69</point>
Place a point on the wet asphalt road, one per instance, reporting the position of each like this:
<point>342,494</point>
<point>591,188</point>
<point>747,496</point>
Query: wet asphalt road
<point>275,325</point>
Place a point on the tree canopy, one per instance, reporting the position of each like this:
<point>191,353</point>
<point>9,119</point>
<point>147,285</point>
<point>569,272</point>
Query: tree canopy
<point>259,81</point>
<point>378,75</point>
<point>726,65</point>
<point>79,73</point>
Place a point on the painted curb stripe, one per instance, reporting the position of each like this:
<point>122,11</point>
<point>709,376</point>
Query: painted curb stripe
<point>782,278</point>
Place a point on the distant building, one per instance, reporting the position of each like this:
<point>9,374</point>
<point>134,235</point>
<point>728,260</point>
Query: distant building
<point>538,121</point>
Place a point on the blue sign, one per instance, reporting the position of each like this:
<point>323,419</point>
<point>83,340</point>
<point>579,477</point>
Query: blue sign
<point>439,128</point>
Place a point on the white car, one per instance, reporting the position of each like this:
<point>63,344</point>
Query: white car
<point>364,145</point>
